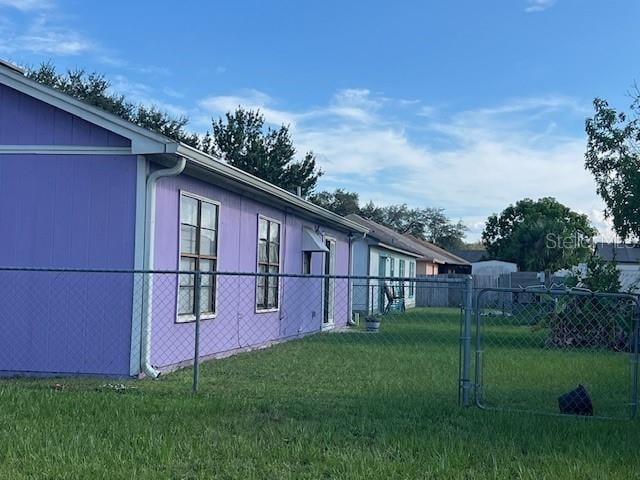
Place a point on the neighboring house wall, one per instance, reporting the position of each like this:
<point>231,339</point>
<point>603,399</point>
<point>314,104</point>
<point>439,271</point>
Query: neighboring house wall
<point>426,268</point>
<point>629,277</point>
<point>493,267</point>
<point>366,294</point>
<point>237,325</point>
<point>360,268</point>
<point>64,211</point>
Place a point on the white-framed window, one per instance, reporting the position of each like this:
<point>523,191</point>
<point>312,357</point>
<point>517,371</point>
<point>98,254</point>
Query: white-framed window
<point>198,252</point>
<point>412,274</point>
<point>401,274</point>
<point>268,287</point>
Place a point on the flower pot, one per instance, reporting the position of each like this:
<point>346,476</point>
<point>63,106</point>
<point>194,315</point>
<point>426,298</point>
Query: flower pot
<point>373,324</point>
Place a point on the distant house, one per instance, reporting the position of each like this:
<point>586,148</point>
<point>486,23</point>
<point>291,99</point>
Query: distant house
<point>627,259</point>
<point>482,265</point>
<point>382,252</point>
<point>83,189</point>
<point>436,260</point>
<point>472,255</point>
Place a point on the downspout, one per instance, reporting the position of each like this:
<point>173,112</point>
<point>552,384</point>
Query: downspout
<point>149,238</point>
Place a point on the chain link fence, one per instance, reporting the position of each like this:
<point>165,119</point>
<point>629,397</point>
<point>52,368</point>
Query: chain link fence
<point>536,349</point>
<point>557,351</point>
<point>329,333</point>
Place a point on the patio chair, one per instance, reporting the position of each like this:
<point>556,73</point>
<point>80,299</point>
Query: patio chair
<point>395,298</point>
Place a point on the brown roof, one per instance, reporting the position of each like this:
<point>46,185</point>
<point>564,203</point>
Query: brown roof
<point>423,249</point>
<point>440,254</point>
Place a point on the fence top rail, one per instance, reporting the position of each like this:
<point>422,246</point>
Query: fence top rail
<point>558,290</point>
<point>416,280</point>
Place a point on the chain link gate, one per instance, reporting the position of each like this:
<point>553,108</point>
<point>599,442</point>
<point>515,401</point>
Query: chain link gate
<point>557,351</point>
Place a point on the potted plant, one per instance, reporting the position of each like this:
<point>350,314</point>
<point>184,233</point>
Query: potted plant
<point>373,323</point>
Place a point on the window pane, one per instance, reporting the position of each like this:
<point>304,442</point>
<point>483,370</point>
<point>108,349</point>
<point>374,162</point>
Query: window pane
<point>260,296</point>
<point>262,280</point>
<point>306,263</point>
<point>206,300</point>
<point>263,227</point>
<point>187,265</point>
<point>188,210</point>
<point>274,253</point>
<point>188,239</point>
<point>209,216</point>
<point>185,300</point>
<point>208,242</point>
<point>274,232</point>
<point>272,298</point>
<point>262,251</point>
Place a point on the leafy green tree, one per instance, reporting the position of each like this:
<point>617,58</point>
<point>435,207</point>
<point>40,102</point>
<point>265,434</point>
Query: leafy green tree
<point>242,140</point>
<point>613,157</point>
<point>429,224</point>
<point>539,235</point>
<point>94,89</point>
<point>601,276</point>
<point>340,201</point>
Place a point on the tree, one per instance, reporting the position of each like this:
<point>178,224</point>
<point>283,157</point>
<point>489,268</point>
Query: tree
<point>613,157</point>
<point>442,231</point>
<point>600,276</point>
<point>539,235</point>
<point>429,224</point>
<point>243,142</point>
<point>341,201</point>
<point>94,89</point>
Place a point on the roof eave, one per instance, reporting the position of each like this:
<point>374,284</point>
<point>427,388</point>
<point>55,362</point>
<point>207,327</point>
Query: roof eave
<point>399,250</point>
<point>143,141</point>
<point>147,142</point>
<point>215,165</point>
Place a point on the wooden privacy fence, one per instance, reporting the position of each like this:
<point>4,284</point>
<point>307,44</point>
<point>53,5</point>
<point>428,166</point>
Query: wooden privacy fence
<point>450,295</point>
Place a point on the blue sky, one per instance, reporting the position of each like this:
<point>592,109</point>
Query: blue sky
<point>466,105</point>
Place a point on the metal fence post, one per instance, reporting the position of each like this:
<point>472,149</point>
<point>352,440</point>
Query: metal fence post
<point>196,348</point>
<point>465,381</point>
<point>634,366</point>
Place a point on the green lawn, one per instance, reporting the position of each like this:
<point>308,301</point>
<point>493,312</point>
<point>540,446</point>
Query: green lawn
<point>334,405</point>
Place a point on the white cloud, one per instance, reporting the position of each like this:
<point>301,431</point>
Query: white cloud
<point>538,5</point>
<point>472,163</point>
<point>248,99</point>
<point>42,34</point>
<point>139,92</point>
<point>27,5</point>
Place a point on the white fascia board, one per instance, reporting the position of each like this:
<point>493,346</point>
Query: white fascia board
<point>142,139</point>
<point>399,250</point>
<point>215,165</point>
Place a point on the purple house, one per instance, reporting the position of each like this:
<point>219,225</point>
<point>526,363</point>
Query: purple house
<point>83,189</point>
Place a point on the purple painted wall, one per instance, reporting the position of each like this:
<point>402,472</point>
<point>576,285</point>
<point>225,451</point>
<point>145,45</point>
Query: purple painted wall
<point>66,211</point>
<point>237,325</point>
<point>25,120</point>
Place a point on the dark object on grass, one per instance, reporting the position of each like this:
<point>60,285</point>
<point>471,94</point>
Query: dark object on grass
<point>373,323</point>
<point>576,402</point>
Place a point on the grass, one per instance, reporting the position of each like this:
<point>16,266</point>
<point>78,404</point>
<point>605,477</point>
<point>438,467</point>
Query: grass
<point>334,405</point>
